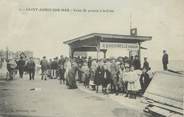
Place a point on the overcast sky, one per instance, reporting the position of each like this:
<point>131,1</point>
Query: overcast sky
<point>44,32</point>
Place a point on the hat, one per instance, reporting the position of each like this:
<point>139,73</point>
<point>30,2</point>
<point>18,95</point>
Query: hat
<point>118,63</point>
<point>126,65</point>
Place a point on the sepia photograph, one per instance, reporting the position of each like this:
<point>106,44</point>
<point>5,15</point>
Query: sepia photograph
<point>91,58</point>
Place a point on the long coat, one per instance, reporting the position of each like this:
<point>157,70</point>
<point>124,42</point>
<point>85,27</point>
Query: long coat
<point>106,78</point>
<point>70,77</point>
<point>165,59</point>
<point>99,75</point>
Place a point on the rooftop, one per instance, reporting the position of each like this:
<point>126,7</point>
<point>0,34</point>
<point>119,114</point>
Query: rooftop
<point>110,38</point>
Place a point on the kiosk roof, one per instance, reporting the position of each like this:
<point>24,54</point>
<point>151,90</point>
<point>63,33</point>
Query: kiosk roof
<point>110,38</point>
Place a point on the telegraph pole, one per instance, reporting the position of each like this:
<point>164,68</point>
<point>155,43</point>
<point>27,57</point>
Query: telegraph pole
<point>7,53</point>
<point>130,21</point>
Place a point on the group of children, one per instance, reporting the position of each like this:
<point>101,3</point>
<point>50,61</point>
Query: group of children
<point>114,77</point>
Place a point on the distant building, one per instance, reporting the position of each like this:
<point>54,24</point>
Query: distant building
<point>28,54</point>
<point>4,54</point>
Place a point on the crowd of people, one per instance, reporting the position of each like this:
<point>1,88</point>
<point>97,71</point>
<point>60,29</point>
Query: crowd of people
<point>11,67</point>
<point>112,75</point>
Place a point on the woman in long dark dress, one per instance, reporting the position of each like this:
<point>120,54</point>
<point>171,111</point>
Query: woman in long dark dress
<point>70,79</point>
<point>99,76</point>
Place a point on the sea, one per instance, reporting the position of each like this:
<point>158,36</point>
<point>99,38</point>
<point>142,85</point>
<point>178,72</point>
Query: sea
<point>176,65</point>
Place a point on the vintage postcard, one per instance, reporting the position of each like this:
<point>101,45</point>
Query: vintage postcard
<point>91,58</point>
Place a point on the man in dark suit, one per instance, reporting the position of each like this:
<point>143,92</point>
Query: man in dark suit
<point>165,60</point>
<point>31,68</point>
<point>136,63</point>
<point>21,66</point>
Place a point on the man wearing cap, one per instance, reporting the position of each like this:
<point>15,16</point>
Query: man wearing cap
<point>165,59</point>
<point>44,67</point>
<point>146,64</point>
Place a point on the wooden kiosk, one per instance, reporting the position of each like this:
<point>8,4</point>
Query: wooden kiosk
<point>101,42</point>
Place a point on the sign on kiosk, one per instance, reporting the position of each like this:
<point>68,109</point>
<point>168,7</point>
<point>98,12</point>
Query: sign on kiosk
<point>108,45</point>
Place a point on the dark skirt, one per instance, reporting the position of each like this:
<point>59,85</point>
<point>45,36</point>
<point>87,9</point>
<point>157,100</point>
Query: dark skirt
<point>105,82</point>
<point>70,80</point>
